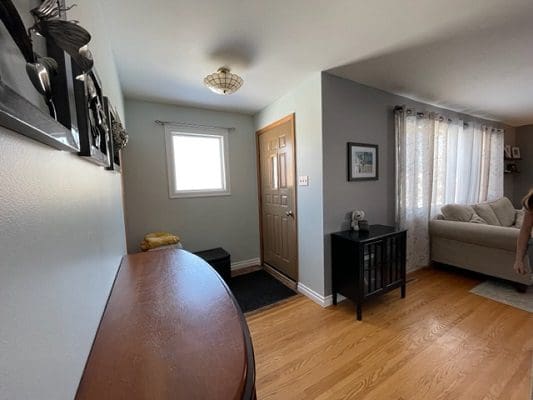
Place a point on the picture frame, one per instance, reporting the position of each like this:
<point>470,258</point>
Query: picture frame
<point>363,162</point>
<point>92,121</point>
<point>516,152</point>
<point>507,151</point>
<point>21,116</point>
<point>113,149</point>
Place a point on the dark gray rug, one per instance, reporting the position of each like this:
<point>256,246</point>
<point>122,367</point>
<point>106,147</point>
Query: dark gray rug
<point>258,289</point>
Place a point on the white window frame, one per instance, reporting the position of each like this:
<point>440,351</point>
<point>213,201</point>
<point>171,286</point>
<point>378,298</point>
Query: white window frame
<point>191,130</point>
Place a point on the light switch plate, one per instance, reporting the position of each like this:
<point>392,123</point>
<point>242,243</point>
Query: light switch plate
<point>303,180</point>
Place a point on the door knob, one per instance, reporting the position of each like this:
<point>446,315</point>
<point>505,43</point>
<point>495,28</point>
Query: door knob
<point>289,213</point>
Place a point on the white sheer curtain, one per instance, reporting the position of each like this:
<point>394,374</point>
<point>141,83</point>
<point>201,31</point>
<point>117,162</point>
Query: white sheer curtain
<point>441,161</point>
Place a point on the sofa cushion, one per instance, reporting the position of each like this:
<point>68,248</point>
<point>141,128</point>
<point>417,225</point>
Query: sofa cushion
<point>485,211</point>
<point>457,212</point>
<point>476,219</point>
<point>497,237</point>
<point>504,210</point>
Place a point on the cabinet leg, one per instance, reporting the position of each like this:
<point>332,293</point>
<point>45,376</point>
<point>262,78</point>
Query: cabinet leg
<point>403,291</point>
<point>334,298</point>
<point>359,311</point>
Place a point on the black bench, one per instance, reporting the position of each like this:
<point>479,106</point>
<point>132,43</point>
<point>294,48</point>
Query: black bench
<point>219,259</point>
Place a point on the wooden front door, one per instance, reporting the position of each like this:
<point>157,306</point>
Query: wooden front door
<point>277,191</point>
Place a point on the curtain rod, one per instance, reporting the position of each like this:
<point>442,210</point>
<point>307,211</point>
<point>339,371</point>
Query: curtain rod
<point>163,123</point>
<point>442,117</point>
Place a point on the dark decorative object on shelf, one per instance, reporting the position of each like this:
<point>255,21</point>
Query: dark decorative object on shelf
<point>368,264</point>
<point>512,167</point>
<point>363,162</point>
<point>363,226</point>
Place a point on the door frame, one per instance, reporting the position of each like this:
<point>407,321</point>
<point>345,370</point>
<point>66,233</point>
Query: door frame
<point>292,118</point>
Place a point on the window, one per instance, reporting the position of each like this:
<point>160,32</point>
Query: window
<point>442,160</point>
<point>197,161</point>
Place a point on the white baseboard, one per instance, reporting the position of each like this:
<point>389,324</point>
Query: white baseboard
<point>317,297</point>
<point>326,301</point>
<point>245,264</point>
<point>329,299</point>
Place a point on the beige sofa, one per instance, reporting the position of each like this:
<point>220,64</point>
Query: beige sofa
<point>480,238</point>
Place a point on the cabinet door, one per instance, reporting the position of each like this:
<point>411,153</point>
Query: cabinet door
<point>373,262</point>
<point>392,262</point>
<point>344,267</point>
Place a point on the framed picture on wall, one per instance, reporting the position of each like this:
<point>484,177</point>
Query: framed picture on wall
<point>363,163</point>
<point>516,152</point>
<point>508,152</point>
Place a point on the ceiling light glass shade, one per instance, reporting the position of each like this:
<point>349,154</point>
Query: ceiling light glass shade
<point>223,82</point>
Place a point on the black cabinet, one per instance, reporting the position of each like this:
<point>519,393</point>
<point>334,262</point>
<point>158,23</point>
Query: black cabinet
<point>219,259</point>
<point>367,264</point>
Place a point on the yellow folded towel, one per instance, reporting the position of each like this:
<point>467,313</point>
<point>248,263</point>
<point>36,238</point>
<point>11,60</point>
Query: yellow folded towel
<point>158,239</point>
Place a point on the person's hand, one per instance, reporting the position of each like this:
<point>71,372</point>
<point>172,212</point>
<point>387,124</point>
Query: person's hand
<point>520,267</point>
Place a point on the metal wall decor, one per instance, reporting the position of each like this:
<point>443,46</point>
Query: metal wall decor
<point>79,118</point>
<point>48,74</point>
<point>92,120</point>
<point>118,138</point>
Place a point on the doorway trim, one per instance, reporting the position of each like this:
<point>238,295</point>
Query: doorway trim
<point>292,118</point>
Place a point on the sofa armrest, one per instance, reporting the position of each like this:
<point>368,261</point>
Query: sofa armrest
<point>483,235</point>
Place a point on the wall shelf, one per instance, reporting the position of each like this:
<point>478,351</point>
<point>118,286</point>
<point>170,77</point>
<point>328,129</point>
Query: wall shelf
<point>511,166</point>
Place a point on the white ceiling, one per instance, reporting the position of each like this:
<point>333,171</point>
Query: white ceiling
<point>471,56</point>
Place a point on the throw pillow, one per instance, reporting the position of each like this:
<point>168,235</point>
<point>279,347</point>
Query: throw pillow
<point>476,219</point>
<point>457,212</point>
<point>485,211</point>
<point>504,210</point>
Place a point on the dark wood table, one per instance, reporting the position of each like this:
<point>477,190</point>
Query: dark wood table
<point>171,330</point>
<point>368,264</point>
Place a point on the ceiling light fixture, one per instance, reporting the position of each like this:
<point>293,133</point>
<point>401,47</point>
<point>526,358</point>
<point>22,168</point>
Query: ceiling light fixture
<point>223,81</point>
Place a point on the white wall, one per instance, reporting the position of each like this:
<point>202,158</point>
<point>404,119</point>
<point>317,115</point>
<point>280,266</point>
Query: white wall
<point>61,241</point>
<point>230,222</point>
<point>305,102</point>
<point>93,17</point>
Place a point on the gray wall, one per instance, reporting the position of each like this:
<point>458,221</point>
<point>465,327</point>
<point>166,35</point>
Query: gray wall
<point>202,222</point>
<point>305,101</point>
<point>358,113</point>
<point>61,241</point>
<point>524,181</point>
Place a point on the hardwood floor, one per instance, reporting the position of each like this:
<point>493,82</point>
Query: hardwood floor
<point>441,342</point>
